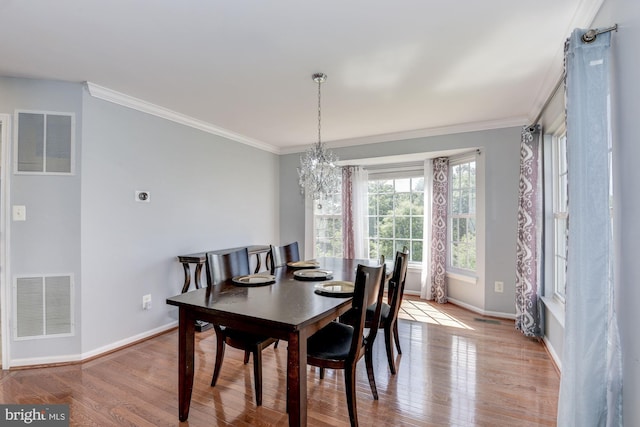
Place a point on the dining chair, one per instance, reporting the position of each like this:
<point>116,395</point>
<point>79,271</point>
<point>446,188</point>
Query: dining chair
<point>341,346</point>
<point>389,311</point>
<point>220,269</point>
<point>281,255</point>
<point>388,319</point>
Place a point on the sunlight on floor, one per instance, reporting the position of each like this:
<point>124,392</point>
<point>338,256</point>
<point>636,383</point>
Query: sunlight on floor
<point>422,311</point>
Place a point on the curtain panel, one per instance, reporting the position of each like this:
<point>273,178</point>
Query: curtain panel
<point>355,224</point>
<point>529,240</point>
<point>425,278</point>
<point>591,381</point>
<point>348,234</point>
<point>439,209</point>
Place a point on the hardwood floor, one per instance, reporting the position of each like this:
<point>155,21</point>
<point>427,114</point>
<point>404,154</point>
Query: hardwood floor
<point>457,369</point>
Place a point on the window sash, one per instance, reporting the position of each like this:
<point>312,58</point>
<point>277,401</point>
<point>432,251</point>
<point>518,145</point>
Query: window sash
<point>462,251</point>
<point>560,214</point>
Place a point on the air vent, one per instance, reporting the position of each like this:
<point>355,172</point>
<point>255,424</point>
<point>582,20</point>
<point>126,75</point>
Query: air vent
<point>43,306</point>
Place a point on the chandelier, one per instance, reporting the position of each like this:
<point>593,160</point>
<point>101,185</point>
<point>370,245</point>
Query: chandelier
<point>318,172</point>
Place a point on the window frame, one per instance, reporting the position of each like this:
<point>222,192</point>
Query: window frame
<point>452,269</point>
<point>560,217</point>
<point>393,174</point>
<point>316,217</point>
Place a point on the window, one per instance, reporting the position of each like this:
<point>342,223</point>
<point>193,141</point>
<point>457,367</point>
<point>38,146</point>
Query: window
<point>560,214</point>
<point>462,214</point>
<point>327,227</point>
<point>44,143</point>
<point>396,217</point>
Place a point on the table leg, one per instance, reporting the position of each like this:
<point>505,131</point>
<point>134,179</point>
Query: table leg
<point>187,277</point>
<point>297,379</point>
<point>186,332</point>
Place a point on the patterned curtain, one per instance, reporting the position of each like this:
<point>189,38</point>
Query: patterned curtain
<point>439,229</point>
<point>425,276</point>
<point>529,244</point>
<point>348,235</point>
<point>355,224</point>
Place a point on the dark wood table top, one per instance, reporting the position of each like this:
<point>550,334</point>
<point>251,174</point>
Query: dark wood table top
<point>285,305</point>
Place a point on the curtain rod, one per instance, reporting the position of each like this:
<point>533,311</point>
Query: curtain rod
<point>587,37</point>
<point>546,103</point>
<point>591,35</point>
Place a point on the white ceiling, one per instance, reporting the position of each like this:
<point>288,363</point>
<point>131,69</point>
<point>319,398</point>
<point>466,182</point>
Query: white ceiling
<point>402,68</point>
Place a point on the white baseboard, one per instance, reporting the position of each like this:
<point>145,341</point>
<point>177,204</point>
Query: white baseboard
<point>552,353</point>
<point>51,360</point>
<point>481,311</point>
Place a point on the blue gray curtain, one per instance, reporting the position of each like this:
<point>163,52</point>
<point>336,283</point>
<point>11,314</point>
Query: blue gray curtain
<point>591,382</point>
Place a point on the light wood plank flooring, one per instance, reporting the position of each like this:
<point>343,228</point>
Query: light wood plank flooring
<point>457,369</point>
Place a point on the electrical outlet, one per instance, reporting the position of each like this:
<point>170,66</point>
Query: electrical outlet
<point>499,286</point>
<point>146,302</point>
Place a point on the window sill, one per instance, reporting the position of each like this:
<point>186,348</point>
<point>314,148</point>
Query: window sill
<point>555,307</point>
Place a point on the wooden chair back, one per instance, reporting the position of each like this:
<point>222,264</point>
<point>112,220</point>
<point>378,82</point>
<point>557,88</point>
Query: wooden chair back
<point>281,255</point>
<point>222,267</point>
<point>396,284</point>
<point>369,289</point>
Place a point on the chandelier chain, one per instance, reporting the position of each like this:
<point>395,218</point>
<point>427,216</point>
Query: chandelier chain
<point>319,110</point>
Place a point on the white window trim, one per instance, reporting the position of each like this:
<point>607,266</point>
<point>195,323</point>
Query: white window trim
<point>561,131</point>
<point>457,271</point>
<point>395,174</point>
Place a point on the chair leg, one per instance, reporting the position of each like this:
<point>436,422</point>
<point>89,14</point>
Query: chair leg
<point>276,344</point>
<point>257,375</point>
<point>321,373</point>
<point>247,353</point>
<point>396,336</point>
<point>220,345</point>
<point>368,358</point>
<point>350,387</point>
<point>389,347</point>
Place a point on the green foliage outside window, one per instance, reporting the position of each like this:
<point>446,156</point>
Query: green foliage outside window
<point>396,217</point>
<point>462,229</point>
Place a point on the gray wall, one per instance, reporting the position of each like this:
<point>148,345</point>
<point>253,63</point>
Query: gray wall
<point>206,193</point>
<point>48,242</point>
<point>501,154</point>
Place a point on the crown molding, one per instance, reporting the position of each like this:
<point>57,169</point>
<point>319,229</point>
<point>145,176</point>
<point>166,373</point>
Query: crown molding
<point>119,98</point>
<point>419,133</point>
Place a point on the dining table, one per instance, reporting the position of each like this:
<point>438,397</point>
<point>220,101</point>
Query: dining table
<point>290,307</point>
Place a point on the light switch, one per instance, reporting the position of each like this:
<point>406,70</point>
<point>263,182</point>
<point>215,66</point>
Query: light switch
<point>19,213</point>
